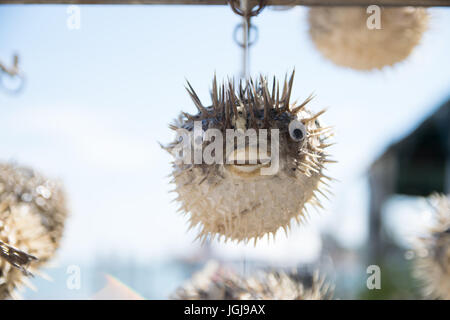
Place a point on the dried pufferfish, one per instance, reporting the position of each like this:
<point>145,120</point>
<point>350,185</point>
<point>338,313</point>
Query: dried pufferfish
<point>32,216</point>
<point>237,200</point>
<point>342,35</point>
<point>216,283</point>
<point>432,265</point>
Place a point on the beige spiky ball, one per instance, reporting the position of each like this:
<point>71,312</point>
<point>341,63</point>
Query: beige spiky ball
<point>245,197</point>
<point>213,282</point>
<point>218,283</point>
<point>342,35</point>
<point>288,286</point>
<point>432,265</point>
<point>32,216</point>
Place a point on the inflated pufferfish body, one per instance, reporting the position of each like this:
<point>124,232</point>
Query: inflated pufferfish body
<point>432,265</point>
<point>216,283</point>
<point>32,216</point>
<point>342,35</point>
<point>241,201</point>
<point>288,286</point>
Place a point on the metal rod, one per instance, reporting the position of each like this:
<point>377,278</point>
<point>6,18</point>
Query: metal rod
<point>245,62</point>
<point>17,258</point>
<point>417,3</point>
<point>246,30</point>
<point>14,70</point>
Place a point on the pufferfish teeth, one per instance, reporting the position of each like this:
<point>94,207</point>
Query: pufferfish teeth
<point>248,156</point>
<point>247,167</point>
<point>238,200</point>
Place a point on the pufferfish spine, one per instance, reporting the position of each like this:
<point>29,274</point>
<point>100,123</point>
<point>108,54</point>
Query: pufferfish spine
<point>32,217</point>
<point>343,36</point>
<point>237,200</point>
<point>218,283</point>
<point>432,251</point>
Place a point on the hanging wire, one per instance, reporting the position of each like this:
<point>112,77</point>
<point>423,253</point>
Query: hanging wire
<point>244,9</point>
<point>14,74</point>
<point>246,24</point>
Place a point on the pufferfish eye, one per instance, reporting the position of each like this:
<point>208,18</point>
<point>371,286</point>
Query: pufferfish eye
<point>297,130</point>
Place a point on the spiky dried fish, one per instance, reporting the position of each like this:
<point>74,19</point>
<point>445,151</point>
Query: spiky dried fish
<point>218,283</point>
<point>343,35</point>
<point>236,200</point>
<point>32,217</point>
<point>432,251</point>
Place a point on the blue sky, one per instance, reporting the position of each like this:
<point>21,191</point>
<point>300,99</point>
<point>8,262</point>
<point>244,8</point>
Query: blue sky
<point>97,100</point>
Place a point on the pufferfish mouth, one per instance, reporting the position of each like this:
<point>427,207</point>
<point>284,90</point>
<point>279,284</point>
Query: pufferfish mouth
<point>245,161</point>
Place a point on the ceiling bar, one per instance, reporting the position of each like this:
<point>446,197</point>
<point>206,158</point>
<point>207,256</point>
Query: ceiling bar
<point>417,3</point>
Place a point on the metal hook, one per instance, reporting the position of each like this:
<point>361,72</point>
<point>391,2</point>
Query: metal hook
<point>235,6</point>
<point>13,73</point>
<point>250,42</point>
<point>244,10</point>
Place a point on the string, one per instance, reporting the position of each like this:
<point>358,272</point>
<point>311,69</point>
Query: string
<point>246,33</point>
<point>246,11</point>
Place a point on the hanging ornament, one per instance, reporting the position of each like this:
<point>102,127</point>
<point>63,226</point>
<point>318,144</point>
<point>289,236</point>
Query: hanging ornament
<point>288,286</point>
<point>250,189</point>
<point>32,216</point>
<point>11,78</point>
<point>216,283</point>
<point>343,36</point>
<point>432,265</point>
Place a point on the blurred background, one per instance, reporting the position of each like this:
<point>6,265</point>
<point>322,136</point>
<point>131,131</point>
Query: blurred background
<point>97,100</point>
